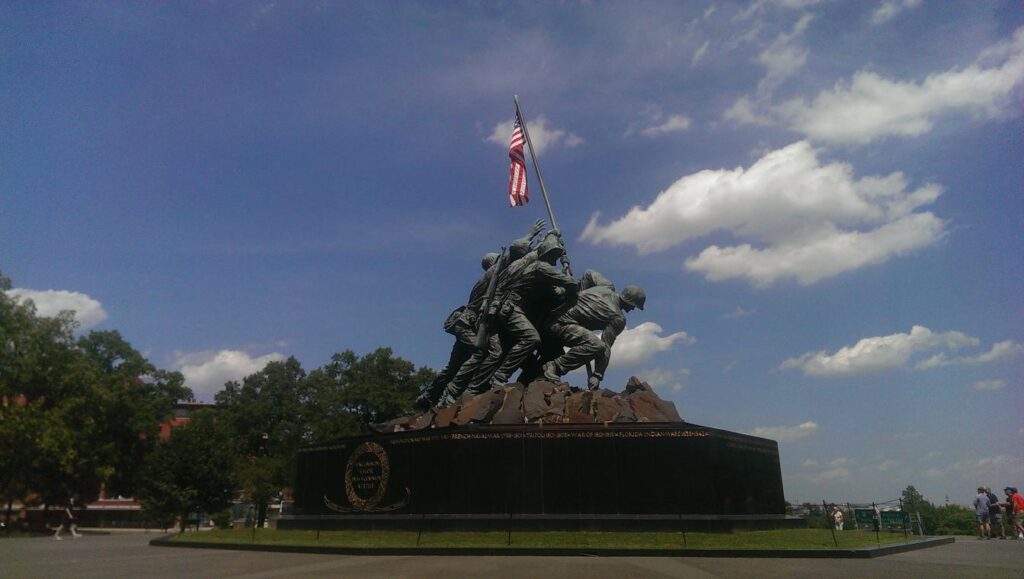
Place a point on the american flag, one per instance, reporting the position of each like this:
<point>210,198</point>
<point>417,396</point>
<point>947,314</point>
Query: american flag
<point>518,194</point>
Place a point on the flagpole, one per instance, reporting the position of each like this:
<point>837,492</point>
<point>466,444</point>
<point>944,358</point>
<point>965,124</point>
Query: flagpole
<point>536,168</point>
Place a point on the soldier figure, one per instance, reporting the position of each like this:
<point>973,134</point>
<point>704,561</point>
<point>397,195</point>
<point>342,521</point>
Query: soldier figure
<point>530,290</point>
<point>597,307</point>
<point>463,321</point>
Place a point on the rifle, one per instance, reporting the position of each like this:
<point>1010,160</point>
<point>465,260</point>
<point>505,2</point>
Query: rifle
<point>484,319</point>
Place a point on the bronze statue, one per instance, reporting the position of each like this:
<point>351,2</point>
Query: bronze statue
<point>463,322</point>
<point>597,307</point>
<point>524,313</point>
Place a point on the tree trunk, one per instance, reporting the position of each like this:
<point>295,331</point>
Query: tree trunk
<point>184,518</point>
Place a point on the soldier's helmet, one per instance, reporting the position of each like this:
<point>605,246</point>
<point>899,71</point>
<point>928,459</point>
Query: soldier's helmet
<point>634,296</point>
<point>549,245</point>
<point>488,260</point>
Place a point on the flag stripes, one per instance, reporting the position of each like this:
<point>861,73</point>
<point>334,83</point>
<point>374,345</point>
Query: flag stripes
<point>518,193</point>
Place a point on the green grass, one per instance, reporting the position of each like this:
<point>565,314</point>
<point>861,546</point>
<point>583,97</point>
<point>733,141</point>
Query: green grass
<point>779,539</point>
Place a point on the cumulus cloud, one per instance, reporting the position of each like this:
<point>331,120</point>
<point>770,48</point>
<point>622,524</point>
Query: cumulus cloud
<point>990,384</point>
<point>786,433</point>
<point>88,312</point>
<point>207,372</point>
<point>877,354</point>
<point>814,219</point>
<point>870,107</point>
<point>637,345</point>
<point>1004,349</point>
<point>542,136</point>
<point>889,9</point>
<point>663,379</point>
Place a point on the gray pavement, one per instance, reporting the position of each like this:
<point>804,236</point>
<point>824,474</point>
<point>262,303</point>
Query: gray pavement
<point>129,555</point>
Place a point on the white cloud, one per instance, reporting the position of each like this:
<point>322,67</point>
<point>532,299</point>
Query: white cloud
<point>997,384</point>
<point>870,107</point>
<point>816,220</point>
<point>637,345</point>
<point>877,354</point>
<point>782,4</point>
<point>839,473</point>
<point>809,462</point>
<point>887,465</point>
<point>841,461</point>
<point>889,9</point>
<point>664,379</point>
<point>49,303</point>
<point>743,111</point>
<point>783,58</point>
<point>672,124</point>
<point>699,55</point>
<point>206,372</point>
<point>1004,349</point>
<point>541,135</point>
<point>786,433</point>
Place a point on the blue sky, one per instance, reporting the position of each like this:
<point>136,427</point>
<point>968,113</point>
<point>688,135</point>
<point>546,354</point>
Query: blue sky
<point>822,199</point>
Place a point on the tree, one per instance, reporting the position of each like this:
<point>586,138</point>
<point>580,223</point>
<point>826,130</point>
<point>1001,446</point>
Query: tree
<point>193,471</point>
<point>137,398</point>
<point>912,498</point>
<point>74,414</point>
<point>265,416</point>
<point>351,392</point>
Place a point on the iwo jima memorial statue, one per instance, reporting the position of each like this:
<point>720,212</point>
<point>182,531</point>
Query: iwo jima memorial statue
<point>537,452</point>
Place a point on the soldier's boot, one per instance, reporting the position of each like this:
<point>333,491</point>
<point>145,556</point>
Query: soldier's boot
<point>450,396</point>
<point>551,373</point>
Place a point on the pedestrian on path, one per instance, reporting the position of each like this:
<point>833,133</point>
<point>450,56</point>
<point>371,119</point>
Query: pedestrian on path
<point>1016,506</point>
<point>981,505</point>
<point>68,519</point>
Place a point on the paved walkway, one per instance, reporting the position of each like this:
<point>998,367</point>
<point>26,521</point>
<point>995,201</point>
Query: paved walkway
<point>129,555</point>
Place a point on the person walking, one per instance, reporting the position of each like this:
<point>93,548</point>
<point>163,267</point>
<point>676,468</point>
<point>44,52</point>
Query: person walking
<point>1016,504</point>
<point>995,515</point>
<point>68,519</point>
<point>981,505</point>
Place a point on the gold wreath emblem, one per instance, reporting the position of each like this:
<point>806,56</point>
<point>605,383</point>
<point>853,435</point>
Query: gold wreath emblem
<point>357,502</point>
<point>367,505</point>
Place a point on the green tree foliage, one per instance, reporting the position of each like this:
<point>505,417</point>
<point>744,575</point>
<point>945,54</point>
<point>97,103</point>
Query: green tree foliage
<point>273,412</point>
<point>192,472</point>
<point>351,392</point>
<point>74,414</point>
<point>265,415</point>
<point>137,397</point>
<point>939,520</point>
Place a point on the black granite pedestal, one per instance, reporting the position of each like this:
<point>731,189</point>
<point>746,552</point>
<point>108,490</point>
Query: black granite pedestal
<point>615,476</point>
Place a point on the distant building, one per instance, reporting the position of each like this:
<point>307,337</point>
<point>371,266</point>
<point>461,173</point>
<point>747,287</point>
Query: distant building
<point>182,413</point>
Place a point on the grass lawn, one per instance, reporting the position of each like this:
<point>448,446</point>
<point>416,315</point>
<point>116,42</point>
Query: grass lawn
<point>779,539</point>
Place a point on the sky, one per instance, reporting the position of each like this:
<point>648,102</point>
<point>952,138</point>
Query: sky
<point>822,199</point>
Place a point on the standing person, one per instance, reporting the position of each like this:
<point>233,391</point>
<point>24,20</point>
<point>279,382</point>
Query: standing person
<point>981,505</point>
<point>1017,505</point>
<point>69,519</point>
<point>837,517</point>
<point>995,515</point>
